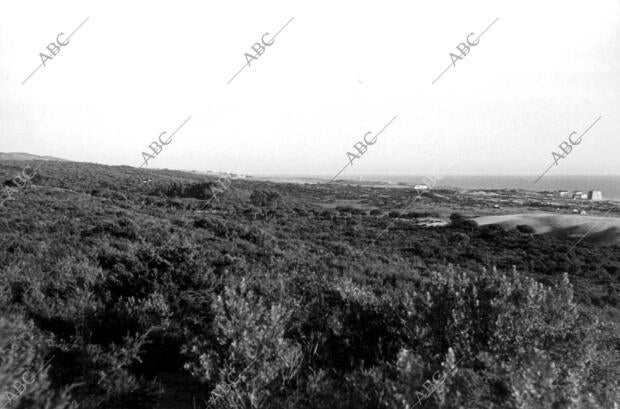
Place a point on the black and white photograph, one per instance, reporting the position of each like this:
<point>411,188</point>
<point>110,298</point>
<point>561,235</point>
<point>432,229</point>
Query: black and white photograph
<point>310,205</point>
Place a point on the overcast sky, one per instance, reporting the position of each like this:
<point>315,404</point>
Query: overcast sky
<point>336,72</point>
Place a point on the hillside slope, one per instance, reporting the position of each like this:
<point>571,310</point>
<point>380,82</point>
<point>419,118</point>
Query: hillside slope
<point>20,156</point>
<point>165,289</point>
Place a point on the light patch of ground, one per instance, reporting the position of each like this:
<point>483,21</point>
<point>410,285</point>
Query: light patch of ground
<point>432,222</point>
<point>595,229</point>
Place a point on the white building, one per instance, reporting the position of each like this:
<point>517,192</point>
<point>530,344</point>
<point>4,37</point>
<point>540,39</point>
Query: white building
<point>420,187</point>
<point>595,195</point>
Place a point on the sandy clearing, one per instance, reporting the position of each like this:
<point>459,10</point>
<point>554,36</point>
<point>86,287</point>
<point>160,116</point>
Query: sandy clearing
<point>598,229</point>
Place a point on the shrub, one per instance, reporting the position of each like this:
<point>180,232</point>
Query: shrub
<point>264,198</point>
<point>256,360</point>
<point>24,365</point>
<point>196,190</point>
<point>518,343</point>
<point>525,228</point>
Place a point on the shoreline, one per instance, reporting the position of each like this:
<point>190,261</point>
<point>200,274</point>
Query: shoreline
<point>542,194</point>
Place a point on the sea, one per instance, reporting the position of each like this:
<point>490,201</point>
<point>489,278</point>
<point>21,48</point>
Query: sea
<point>609,185</point>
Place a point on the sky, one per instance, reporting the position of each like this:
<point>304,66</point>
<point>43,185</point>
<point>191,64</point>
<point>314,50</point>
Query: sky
<point>335,72</point>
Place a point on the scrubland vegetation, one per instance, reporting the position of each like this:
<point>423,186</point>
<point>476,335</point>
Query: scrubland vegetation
<point>158,295</point>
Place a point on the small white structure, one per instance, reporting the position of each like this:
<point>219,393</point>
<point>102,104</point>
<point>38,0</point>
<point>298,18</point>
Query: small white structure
<point>595,195</point>
<point>562,193</point>
<point>582,212</point>
<point>577,194</point>
<point>420,187</point>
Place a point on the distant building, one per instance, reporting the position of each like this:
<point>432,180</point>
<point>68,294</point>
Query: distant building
<point>577,194</point>
<point>562,193</point>
<point>595,195</point>
<point>420,187</point>
<point>582,212</point>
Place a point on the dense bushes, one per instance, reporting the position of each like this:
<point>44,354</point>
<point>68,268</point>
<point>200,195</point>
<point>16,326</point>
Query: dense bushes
<point>251,359</point>
<point>196,190</point>
<point>264,198</point>
<point>499,339</point>
<point>24,367</point>
<point>269,308</point>
<point>307,340</point>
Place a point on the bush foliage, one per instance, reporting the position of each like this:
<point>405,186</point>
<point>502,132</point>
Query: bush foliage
<point>260,300</point>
